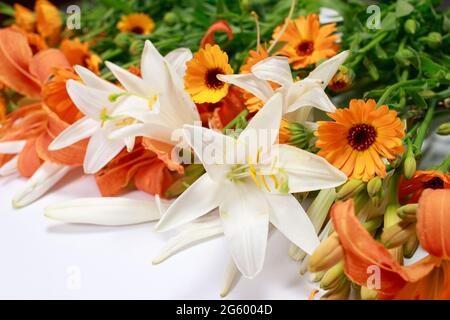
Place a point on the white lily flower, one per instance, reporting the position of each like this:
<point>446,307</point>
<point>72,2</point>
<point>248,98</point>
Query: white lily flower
<point>93,98</point>
<point>253,188</point>
<point>161,88</point>
<point>13,148</point>
<point>9,168</point>
<point>298,97</point>
<point>42,180</point>
<point>104,211</point>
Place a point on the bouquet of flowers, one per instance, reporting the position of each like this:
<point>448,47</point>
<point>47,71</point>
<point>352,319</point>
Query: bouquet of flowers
<point>240,118</point>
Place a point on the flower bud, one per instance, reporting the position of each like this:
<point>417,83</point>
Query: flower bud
<point>342,80</point>
<point>299,136</point>
<point>409,166</point>
<point>327,254</point>
<point>368,294</point>
<point>342,292</point>
<point>408,212</point>
<point>350,189</point>
<point>333,277</point>
<point>374,186</point>
<point>444,129</point>
<point>410,246</point>
<point>410,26</point>
<point>170,18</point>
<point>403,56</point>
<point>136,47</point>
<point>434,40</point>
<point>122,40</point>
<point>397,234</point>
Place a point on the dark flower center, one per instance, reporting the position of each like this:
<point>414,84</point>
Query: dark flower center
<point>338,85</point>
<point>137,30</point>
<point>305,48</point>
<point>361,136</point>
<point>211,78</point>
<point>435,183</point>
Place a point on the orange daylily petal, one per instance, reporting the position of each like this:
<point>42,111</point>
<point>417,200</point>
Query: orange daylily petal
<point>163,151</point>
<point>218,26</point>
<point>154,178</point>
<point>33,120</point>
<point>44,62</point>
<point>70,156</point>
<point>433,222</point>
<point>15,57</point>
<point>29,160</point>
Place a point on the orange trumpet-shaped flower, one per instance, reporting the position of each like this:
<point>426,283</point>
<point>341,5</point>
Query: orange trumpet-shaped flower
<point>411,190</point>
<point>428,278</point>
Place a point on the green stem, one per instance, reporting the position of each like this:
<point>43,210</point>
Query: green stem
<point>423,128</point>
<point>396,86</point>
<point>444,165</point>
<point>233,122</point>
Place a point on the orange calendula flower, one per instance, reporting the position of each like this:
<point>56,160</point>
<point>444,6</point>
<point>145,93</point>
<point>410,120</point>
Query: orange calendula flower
<point>306,42</point>
<point>77,53</point>
<point>426,279</point>
<point>360,137</point>
<point>411,190</point>
<point>56,98</point>
<point>48,21</point>
<point>201,80</point>
<point>25,18</point>
<point>138,23</point>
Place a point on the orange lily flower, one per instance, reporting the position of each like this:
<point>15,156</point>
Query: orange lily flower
<point>428,278</point>
<point>411,190</point>
<point>141,166</point>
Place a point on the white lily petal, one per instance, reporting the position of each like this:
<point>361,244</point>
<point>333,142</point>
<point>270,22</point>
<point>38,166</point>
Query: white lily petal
<point>42,180</point>
<point>191,234</point>
<point>139,108</point>
<point>153,131</point>
<point>104,211</point>
<point>94,81</point>
<point>153,70</point>
<point>215,150</point>
<point>178,58</point>
<point>231,277</point>
<point>288,216</point>
<point>275,69</point>
<point>12,147</point>
<point>9,168</point>
<point>312,95</point>
<point>262,131</point>
<point>100,151</point>
<point>245,217</point>
<point>307,171</point>
<point>189,205</point>
<point>78,131</point>
<point>130,82</point>
<point>92,102</point>
<point>249,82</point>
<point>129,143</point>
<point>327,69</point>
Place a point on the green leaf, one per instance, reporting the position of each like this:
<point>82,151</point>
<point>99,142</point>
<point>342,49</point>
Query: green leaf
<point>371,68</point>
<point>403,8</point>
<point>389,22</point>
<point>418,99</point>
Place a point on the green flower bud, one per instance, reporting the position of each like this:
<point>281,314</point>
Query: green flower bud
<point>299,136</point>
<point>410,26</point>
<point>434,40</point>
<point>374,186</point>
<point>408,212</point>
<point>368,294</point>
<point>409,166</point>
<point>444,129</point>
<point>350,189</point>
<point>170,18</point>
<point>136,47</point>
<point>122,40</point>
<point>403,56</point>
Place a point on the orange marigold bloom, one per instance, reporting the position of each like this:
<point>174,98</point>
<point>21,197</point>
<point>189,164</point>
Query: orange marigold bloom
<point>48,21</point>
<point>139,23</point>
<point>411,190</point>
<point>201,80</point>
<point>25,18</point>
<point>360,137</point>
<point>77,53</point>
<point>55,96</point>
<point>306,42</point>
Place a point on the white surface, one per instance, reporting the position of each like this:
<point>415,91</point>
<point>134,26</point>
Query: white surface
<point>40,258</point>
